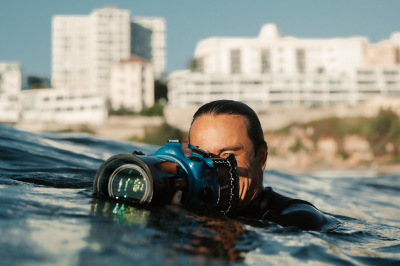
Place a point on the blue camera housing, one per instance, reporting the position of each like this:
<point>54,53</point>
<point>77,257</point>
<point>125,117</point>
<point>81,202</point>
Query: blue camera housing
<point>200,172</point>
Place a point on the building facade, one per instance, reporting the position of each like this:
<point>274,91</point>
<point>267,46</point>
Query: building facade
<point>275,70</point>
<point>85,47</point>
<point>62,106</point>
<point>10,88</point>
<point>154,38</point>
<point>131,84</point>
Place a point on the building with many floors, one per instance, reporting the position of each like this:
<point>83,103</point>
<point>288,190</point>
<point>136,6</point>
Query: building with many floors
<point>148,40</point>
<point>85,47</point>
<point>275,70</point>
<point>47,105</point>
<point>132,84</point>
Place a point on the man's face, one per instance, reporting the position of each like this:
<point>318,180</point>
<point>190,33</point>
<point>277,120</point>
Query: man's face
<point>227,134</point>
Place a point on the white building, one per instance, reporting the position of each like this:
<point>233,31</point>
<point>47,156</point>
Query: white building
<point>10,88</point>
<point>132,84</point>
<point>151,47</point>
<point>85,47</point>
<point>63,106</point>
<point>275,70</point>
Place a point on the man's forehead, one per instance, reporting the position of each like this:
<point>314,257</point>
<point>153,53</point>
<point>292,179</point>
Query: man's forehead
<point>219,132</point>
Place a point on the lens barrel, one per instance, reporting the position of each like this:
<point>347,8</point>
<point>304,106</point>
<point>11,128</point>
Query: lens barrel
<point>130,182</point>
<point>141,179</point>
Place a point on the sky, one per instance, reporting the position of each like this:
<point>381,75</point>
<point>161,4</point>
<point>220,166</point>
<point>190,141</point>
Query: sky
<point>25,25</point>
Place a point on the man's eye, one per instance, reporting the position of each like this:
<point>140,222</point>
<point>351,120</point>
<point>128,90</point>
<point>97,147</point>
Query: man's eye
<point>225,155</point>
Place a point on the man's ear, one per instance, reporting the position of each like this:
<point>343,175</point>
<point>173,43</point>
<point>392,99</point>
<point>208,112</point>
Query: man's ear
<point>262,157</point>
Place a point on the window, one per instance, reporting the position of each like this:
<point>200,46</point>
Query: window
<point>300,60</point>
<point>13,98</point>
<point>390,72</point>
<point>365,72</point>
<point>235,61</point>
<point>265,61</point>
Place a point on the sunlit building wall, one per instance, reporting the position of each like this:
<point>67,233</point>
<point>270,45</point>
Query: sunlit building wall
<point>63,106</point>
<point>10,89</point>
<point>384,53</point>
<point>157,26</point>
<point>85,47</point>
<point>275,70</point>
<point>132,84</point>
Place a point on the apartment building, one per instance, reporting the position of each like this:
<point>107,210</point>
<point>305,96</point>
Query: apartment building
<point>85,47</point>
<point>132,84</point>
<point>272,69</point>
<point>149,42</point>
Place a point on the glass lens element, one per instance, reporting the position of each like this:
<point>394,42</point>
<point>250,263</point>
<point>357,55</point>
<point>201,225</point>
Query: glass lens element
<point>129,181</point>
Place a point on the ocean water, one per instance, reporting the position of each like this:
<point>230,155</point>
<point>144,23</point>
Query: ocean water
<point>49,216</point>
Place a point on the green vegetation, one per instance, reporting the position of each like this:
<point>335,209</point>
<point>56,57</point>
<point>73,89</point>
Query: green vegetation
<point>79,129</point>
<point>161,135</point>
<point>160,91</point>
<point>156,110</point>
<point>378,131</point>
<point>192,66</point>
<point>297,147</point>
<point>122,111</point>
<point>384,128</point>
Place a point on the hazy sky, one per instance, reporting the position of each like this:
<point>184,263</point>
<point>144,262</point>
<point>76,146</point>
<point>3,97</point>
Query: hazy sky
<point>25,25</point>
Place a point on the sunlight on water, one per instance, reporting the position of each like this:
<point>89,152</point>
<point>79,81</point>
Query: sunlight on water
<point>48,215</point>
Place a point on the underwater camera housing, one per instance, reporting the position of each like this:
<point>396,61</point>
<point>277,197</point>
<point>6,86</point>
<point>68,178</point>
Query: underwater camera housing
<point>154,179</point>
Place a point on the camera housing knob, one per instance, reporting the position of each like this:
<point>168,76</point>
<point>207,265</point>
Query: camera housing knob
<point>206,194</point>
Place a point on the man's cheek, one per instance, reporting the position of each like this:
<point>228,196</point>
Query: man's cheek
<point>243,172</point>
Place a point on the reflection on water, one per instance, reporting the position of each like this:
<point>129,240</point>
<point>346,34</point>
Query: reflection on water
<point>49,216</point>
<point>207,233</point>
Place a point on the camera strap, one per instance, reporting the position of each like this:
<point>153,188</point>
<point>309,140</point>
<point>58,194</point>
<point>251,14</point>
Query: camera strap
<point>233,185</point>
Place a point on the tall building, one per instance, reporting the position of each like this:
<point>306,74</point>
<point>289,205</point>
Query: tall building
<point>272,69</point>
<point>85,47</point>
<point>149,42</point>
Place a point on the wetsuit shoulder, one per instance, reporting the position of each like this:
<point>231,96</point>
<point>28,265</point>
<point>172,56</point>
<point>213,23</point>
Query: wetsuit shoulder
<point>304,216</point>
<point>286,211</point>
<point>293,212</point>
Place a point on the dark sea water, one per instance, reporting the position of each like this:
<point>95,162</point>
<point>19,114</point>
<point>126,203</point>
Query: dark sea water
<point>49,216</point>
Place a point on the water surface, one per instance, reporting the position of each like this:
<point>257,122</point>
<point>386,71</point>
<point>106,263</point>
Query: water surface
<point>48,215</point>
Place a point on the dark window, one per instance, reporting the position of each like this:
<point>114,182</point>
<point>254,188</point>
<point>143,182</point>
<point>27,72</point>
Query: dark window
<point>301,60</point>
<point>235,61</point>
<point>265,61</point>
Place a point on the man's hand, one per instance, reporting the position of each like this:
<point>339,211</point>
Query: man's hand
<point>177,198</point>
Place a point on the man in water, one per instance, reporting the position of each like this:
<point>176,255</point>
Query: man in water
<point>228,127</point>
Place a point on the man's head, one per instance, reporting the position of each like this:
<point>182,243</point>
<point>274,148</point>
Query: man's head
<point>224,127</point>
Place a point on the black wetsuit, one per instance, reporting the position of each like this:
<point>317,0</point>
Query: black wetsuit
<point>274,207</point>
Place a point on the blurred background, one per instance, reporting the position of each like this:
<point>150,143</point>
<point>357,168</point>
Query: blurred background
<point>324,78</point>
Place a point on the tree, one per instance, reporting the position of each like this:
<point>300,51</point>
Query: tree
<point>160,91</point>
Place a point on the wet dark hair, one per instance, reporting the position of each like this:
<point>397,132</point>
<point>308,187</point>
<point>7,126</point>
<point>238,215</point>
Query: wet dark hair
<point>228,107</point>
